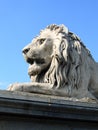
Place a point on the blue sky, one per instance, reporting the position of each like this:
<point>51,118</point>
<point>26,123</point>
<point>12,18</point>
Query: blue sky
<point>21,20</point>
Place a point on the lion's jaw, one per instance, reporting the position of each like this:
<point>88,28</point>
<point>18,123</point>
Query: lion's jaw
<point>37,63</point>
<point>38,66</point>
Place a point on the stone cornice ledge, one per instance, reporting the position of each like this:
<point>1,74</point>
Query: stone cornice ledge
<point>46,106</point>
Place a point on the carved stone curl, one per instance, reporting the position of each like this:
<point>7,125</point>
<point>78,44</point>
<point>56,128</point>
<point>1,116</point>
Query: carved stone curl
<point>59,64</point>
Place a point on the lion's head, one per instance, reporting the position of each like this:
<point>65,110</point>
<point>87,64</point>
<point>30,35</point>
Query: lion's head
<point>57,56</point>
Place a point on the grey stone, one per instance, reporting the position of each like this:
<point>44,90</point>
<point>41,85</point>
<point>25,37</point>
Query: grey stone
<point>60,64</point>
<point>25,111</point>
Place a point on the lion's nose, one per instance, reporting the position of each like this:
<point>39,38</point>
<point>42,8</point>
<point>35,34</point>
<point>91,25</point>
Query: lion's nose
<point>25,50</point>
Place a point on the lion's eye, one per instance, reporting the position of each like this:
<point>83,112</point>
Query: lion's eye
<point>42,40</point>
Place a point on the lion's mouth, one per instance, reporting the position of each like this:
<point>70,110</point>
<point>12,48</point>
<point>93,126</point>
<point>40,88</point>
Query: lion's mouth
<point>29,60</point>
<point>37,60</point>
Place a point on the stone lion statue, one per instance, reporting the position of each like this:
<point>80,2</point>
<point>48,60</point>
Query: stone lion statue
<point>59,64</point>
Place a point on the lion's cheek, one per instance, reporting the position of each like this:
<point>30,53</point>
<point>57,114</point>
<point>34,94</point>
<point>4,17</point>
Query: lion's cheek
<point>34,70</point>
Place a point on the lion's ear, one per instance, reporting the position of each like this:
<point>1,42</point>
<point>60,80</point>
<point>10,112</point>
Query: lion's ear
<point>64,28</point>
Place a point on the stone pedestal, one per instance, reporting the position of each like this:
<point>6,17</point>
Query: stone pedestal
<point>24,111</point>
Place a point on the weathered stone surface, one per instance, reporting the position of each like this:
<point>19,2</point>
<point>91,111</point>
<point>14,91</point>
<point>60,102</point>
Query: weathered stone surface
<point>25,111</point>
<point>60,64</point>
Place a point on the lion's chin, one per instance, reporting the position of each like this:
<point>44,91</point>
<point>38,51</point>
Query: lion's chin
<point>33,71</point>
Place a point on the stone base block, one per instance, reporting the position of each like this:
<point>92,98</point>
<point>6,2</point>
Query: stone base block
<point>25,111</point>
